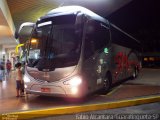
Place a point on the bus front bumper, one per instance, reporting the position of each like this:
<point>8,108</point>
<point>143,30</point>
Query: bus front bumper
<point>54,90</point>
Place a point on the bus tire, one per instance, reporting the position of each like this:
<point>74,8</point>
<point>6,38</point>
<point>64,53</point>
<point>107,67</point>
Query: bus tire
<point>107,83</point>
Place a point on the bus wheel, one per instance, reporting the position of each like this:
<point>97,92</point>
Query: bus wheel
<point>107,83</point>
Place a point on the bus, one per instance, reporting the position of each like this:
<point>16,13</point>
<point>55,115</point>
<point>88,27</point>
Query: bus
<point>74,52</point>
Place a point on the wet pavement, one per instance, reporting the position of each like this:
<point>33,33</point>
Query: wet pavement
<point>147,84</point>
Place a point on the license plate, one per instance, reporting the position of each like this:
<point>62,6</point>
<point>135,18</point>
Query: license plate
<point>45,89</point>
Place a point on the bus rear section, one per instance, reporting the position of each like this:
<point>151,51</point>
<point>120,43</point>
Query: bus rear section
<point>126,55</point>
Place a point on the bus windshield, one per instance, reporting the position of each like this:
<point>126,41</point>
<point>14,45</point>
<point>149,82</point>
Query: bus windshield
<point>54,46</point>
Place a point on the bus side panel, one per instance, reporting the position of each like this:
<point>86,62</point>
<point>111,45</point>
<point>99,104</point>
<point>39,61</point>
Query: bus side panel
<point>117,66</point>
<point>124,60</point>
<point>89,73</point>
<point>124,54</point>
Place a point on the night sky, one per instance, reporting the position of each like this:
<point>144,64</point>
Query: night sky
<point>141,19</point>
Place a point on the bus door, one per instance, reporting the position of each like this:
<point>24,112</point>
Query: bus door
<point>95,53</point>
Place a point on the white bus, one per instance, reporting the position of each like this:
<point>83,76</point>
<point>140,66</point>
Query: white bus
<point>73,52</point>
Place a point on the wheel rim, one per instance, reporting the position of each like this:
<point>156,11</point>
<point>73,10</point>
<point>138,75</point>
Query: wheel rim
<point>106,84</point>
<point>134,73</point>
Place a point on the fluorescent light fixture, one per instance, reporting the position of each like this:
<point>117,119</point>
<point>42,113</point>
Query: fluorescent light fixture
<point>3,52</point>
<point>36,55</point>
<point>45,23</point>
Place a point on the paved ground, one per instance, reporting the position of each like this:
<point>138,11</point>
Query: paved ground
<point>148,76</point>
<point>148,83</point>
<point>150,111</point>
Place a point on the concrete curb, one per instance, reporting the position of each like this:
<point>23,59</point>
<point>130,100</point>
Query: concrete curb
<point>77,109</point>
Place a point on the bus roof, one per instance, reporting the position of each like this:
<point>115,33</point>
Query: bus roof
<point>68,10</point>
<point>65,10</point>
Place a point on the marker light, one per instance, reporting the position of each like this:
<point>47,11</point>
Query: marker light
<point>26,79</point>
<point>151,58</point>
<point>106,50</point>
<point>75,81</point>
<point>145,59</point>
<point>34,40</point>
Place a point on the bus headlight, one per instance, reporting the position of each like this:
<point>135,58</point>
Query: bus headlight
<point>26,79</point>
<point>75,81</point>
<point>74,90</point>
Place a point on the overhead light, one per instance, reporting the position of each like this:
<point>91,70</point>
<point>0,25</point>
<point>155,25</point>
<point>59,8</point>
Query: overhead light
<point>3,52</point>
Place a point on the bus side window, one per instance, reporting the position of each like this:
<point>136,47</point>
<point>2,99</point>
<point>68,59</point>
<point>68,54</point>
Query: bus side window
<point>89,48</point>
<point>102,36</point>
<point>97,37</point>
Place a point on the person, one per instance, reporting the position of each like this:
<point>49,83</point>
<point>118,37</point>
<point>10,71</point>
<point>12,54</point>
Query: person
<point>8,67</point>
<point>19,80</point>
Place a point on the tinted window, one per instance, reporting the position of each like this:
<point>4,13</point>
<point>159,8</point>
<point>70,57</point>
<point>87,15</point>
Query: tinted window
<point>63,40</point>
<point>97,37</point>
<point>122,39</point>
